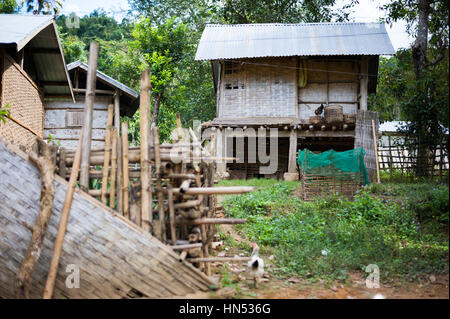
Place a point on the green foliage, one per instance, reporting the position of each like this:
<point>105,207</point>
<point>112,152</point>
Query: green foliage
<point>9,6</point>
<point>5,112</point>
<point>282,11</point>
<point>43,6</point>
<point>371,229</point>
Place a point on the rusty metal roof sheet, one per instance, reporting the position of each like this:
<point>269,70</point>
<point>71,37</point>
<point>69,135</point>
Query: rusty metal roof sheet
<point>39,36</point>
<point>219,42</point>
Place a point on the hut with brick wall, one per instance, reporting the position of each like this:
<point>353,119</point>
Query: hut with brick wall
<point>276,76</point>
<point>64,119</point>
<point>32,67</point>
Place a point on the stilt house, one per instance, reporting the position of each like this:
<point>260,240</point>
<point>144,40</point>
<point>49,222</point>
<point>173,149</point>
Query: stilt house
<point>281,76</point>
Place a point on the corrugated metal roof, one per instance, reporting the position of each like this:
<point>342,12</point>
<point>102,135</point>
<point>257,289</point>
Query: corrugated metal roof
<point>106,78</point>
<point>38,35</point>
<point>20,29</point>
<point>220,42</point>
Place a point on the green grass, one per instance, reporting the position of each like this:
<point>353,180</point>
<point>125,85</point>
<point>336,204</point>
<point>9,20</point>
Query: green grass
<point>399,227</point>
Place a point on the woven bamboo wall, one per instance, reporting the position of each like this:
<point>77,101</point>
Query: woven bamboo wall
<point>364,139</point>
<point>259,88</point>
<point>343,85</point>
<point>26,105</point>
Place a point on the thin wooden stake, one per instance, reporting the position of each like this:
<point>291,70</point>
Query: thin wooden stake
<point>375,147</point>
<point>126,190</point>
<point>144,109</point>
<point>173,233</point>
<point>112,193</point>
<point>107,153</point>
<point>119,187</point>
<point>159,182</point>
<point>51,277</point>
<point>88,115</point>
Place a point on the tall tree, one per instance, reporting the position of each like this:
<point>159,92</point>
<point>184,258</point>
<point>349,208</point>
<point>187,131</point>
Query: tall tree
<point>43,6</point>
<point>427,97</point>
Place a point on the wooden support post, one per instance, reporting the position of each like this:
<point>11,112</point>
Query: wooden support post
<point>107,153</point>
<point>173,234</point>
<point>126,190</point>
<point>88,114</point>
<point>62,163</point>
<point>160,194</point>
<point>375,147</point>
<point>292,164</point>
<point>390,159</point>
<point>179,127</point>
<point>119,186</point>
<point>51,277</point>
<point>112,193</point>
<point>146,197</point>
<point>46,162</point>
<point>364,82</point>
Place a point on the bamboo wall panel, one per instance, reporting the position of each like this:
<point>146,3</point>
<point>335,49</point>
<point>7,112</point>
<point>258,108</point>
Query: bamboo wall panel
<point>25,105</point>
<point>115,257</point>
<point>364,139</point>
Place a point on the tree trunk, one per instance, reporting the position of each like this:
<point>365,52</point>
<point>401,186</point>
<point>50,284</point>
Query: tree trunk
<point>156,109</point>
<point>46,162</point>
<point>419,49</point>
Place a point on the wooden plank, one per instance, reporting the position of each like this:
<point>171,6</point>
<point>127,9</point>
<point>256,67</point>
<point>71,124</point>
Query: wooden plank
<point>119,187</point>
<point>88,114</point>
<point>146,197</point>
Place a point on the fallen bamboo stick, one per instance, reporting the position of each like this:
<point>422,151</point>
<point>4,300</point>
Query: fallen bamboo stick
<point>216,190</point>
<point>46,162</point>
<point>107,153</point>
<point>204,221</point>
<point>112,192</point>
<point>187,204</point>
<point>51,277</point>
<point>219,259</point>
<point>186,246</point>
<point>181,176</point>
<point>182,255</point>
<point>126,190</point>
<point>160,195</point>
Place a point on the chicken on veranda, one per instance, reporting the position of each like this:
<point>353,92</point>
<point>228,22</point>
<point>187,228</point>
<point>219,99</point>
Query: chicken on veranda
<point>256,265</point>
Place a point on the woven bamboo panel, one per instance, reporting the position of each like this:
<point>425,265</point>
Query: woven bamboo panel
<point>25,105</point>
<point>258,87</point>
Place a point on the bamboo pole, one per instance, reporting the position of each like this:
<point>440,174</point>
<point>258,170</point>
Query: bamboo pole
<point>146,197</point>
<point>375,147</point>
<point>186,246</point>
<point>62,162</point>
<point>88,115</point>
<point>216,190</point>
<point>210,221</point>
<point>107,153</point>
<point>51,277</point>
<point>112,193</point>
<point>173,234</point>
<point>126,190</point>
<point>219,259</point>
<point>160,194</point>
<point>390,159</point>
<point>46,162</point>
<point>119,187</point>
